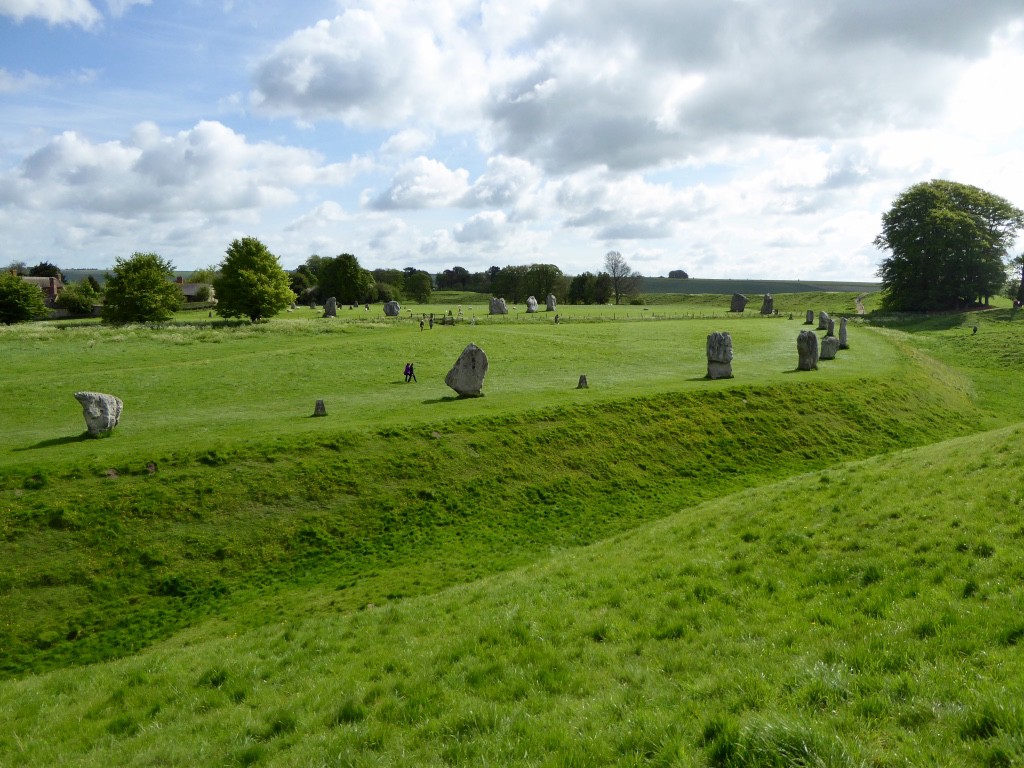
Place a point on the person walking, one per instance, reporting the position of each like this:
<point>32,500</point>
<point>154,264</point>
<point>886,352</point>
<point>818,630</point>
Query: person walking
<point>408,372</point>
<point>412,373</point>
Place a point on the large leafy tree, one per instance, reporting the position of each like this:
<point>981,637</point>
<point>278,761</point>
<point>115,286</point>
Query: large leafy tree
<point>140,290</point>
<point>948,241</point>
<point>20,300</point>
<point>250,282</point>
<point>343,278</point>
<point>77,298</point>
<point>418,286</point>
<point>45,269</point>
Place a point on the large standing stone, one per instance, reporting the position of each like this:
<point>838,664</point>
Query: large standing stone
<point>531,305</point>
<point>719,355</point>
<point>810,317</point>
<point>843,343</point>
<point>739,302</point>
<point>830,327</point>
<point>823,321</point>
<point>467,375</point>
<point>498,307</point>
<point>768,304</point>
<point>829,347</point>
<point>392,309</point>
<point>552,303</point>
<point>102,412</point>
<point>331,307</point>
<point>807,348</point>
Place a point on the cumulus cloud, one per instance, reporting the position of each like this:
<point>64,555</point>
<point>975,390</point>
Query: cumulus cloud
<point>422,183</point>
<point>486,227</point>
<point>78,12</point>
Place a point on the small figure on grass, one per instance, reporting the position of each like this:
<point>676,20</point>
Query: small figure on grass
<point>421,323</point>
<point>410,373</point>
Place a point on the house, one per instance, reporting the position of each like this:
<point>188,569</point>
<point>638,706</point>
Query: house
<point>50,286</point>
<point>195,292</point>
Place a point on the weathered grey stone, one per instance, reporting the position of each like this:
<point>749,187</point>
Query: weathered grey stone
<point>392,309</point>
<point>531,305</point>
<point>719,355</point>
<point>830,327</point>
<point>739,302</point>
<point>319,409</point>
<point>843,343</point>
<point>467,375</point>
<point>807,349</point>
<point>823,321</point>
<point>102,412</point>
<point>810,317</point>
<point>768,305</point>
<point>583,382</point>
<point>498,307</point>
<point>331,307</point>
<point>552,302</point>
<point>829,347</point>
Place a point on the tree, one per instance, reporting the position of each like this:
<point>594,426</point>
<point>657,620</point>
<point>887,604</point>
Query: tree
<point>625,282</point>
<point>343,278</point>
<point>581,289</point>
<point>948,241</point>
<point>94,284</point>
<point>45,269</point>
<point>542,279</point>
<point>16,268</point>
<point>1015,283</point>
<point>251,282</point>
<point>602,288</point>
<point>418,286</point>
<point>510,283</point>
<point>77,298</point>
<point>678,274</point>
<point>20,301</point>
<point>140,290</point>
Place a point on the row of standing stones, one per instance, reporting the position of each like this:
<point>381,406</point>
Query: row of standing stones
<point>719,347</point>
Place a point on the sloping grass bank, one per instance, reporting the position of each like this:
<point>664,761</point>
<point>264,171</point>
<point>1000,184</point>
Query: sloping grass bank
<point>865,615</point>
<point>96,566</point>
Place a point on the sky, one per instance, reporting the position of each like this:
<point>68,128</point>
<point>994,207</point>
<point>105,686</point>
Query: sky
<point>727,138</point>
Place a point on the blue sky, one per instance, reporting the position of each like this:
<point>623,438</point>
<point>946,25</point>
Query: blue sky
<point>729,138</point>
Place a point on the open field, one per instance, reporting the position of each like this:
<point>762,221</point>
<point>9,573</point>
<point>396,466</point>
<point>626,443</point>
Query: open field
<point>659,570</point>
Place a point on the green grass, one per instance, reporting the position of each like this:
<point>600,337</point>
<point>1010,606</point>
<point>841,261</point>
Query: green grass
<point>545,576</point>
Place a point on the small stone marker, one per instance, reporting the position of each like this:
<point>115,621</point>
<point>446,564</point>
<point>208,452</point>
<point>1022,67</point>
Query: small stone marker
<point>823,321</point>
<point>331,307</point>
<point>392,309</point>
<point>102,412</point>
<point>552,303</point>
<point>531,305</point>
<point>829,347</point>
<point>583,382</point>
<point>319,409</point>
<point>498,307</point>
<point>739,302</point>
<point>843,343</point>
<point>810,317</point>
<point>467,375</point>
<point>719,355</point>
<point>807,349</point>
<point>768,305</point>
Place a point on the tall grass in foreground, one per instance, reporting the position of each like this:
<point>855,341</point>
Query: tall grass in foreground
<point>867,614</point>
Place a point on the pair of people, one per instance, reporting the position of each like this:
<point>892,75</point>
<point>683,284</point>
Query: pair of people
<point>410,373</point>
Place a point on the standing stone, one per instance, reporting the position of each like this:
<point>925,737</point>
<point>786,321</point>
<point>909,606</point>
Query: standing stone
<point>719,355</point>
<point>768,305</point>
<point>843,343</point>
<point>467,375</point>
<point>320,409</point>
<point>552,303</point>
<point>829,347</point>
<point>331,307</point>
<point>739,302</point>
<point>498,307</point>
<point>583,382</point>
<point>823,321</point>
<point>392,309</point>
<point>830,327</point>
<point>807,348</point>
<point>102,412</point>
<point>810,317</point>
<point>531,305</point>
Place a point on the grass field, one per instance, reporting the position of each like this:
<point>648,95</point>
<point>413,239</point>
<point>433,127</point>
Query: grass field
<point>659,570</point>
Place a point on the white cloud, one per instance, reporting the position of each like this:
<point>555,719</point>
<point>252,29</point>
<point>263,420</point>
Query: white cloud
<point>26,81</point>
<point>486,227</point>
<point>422,183</point>
<point>78,12</point>
<point>121,7</point>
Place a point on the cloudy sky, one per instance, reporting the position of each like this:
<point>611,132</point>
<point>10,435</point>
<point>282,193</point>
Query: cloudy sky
<point>729,138</point>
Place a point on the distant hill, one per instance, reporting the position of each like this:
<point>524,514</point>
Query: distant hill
<point>695,285</point>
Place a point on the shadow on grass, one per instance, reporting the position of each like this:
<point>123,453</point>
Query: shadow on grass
<point>447,399</point>
<point>56,441</point>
